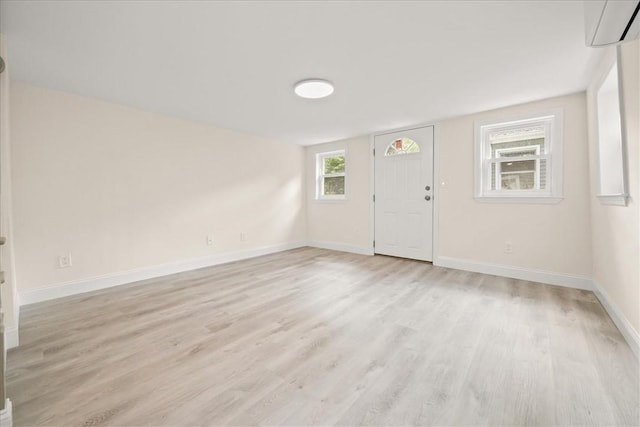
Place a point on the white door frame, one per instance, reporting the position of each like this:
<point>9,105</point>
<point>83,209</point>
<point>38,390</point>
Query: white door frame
<point>436,185</point>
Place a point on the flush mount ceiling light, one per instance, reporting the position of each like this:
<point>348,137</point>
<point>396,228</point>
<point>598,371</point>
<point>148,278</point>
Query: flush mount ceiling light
<point>313,88</point>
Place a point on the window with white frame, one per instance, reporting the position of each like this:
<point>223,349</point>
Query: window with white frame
<point>331,175</point>
<point>519,159</point>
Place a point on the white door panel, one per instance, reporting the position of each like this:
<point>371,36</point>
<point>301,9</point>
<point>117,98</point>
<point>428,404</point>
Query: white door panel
<point>403,217</point>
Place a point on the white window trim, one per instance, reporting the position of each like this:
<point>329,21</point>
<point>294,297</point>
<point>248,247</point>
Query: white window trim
<point>320,175</point>
<point>613,199</point>
<point>553,121</point>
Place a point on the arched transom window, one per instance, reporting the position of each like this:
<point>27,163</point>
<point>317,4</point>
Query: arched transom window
<point>402,146</point>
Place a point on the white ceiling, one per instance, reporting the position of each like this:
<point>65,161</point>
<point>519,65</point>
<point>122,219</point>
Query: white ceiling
<point>233,64</point>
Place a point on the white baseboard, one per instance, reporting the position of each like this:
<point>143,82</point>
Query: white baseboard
<point>541,276</point>
<point>74,287</point>
<point>628,332</point>
<point>341,247</point>
<point>551,278</point>
<point>11,339</point>
<point>121,278</point>
<point>6,415</point>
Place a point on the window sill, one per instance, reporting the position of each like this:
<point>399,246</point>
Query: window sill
<point>531,200</point>
<point>330,201</point>
<point>613,199</point>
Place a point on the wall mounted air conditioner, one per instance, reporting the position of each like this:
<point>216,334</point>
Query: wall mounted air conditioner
<point>611,21</point>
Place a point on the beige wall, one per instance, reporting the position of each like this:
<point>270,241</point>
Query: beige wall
<point>121,189</point>
<point>553,238</point>
<point>615,229</point>
<point>9,293</point>
<point>341,224</point>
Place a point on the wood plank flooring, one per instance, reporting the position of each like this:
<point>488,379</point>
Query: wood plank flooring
<point>315,337</point>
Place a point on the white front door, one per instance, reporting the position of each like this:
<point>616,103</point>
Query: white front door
<point>404,193</point>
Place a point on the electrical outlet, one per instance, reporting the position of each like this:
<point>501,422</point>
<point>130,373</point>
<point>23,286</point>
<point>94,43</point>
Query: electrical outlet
<point>64,261</point>
<point>243,236</point>
<point>210,240</point>
<point>508,247</point>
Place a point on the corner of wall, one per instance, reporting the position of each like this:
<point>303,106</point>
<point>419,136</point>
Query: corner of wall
<point>627,330</point>
<point>615,230</point>
<point>9,287</point>
<point>6,415</point>
<point>12,339</point>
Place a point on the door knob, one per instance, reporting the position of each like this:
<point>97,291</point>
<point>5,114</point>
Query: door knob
<point>427,198</point>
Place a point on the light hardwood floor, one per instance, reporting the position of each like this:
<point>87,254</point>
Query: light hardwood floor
<point>310,337</point>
